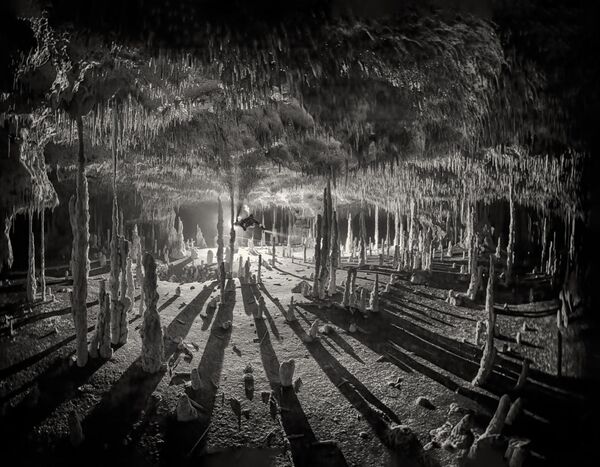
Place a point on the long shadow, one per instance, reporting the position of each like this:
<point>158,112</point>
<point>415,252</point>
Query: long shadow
<point>305,449</point>
<point>275,302</point>
<point>56,385</point>
<point>181,437</point>
<point>121,407</point>
<point>343,344</point>
<point>399,301</point>
<point>290,274</point>
<point>442,312</point>
<point>351,388</point>
<point>33,359</point>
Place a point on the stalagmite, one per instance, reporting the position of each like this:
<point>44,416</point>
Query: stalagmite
<point>522,376</point>
<point>326,241</point>
<point>376,238</point>
<point>410,247</point>
<point>200,242</point>
<point>273,253</point>
<point>476,272</point>
<point>258,276</point>
<point>151,330</point>
<point>374,299</point>
<point>80,266</point>
<point>362,304</point>
<point>42,254</point>
<point>363,236</point>
<point>489,352</point>
<point>291,311</point>
<point>286,373</point>
<point>100,344</point>
<point>315,290</point>
<point>510,247</point>
<point>348,287</point>
<point>486,441</point>
<point>514,412</point>
<point>348,244</point>
<point>335,255</point>
<point>232,232</point>
<point>31,284</point>
<point>129,278</point>
<point>209,257</point>
<point>219,233</point>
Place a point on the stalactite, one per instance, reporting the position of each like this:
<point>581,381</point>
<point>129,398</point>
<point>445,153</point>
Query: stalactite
<point>80,265</point>
<point>43,254</point>
<point>31,281</point>
<point>489,352</point>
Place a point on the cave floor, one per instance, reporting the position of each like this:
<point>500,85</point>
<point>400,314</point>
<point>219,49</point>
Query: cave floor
<point>415,346</point>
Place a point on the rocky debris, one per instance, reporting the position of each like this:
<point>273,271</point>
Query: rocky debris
<point>286,372</point>
<point>425,403</point>
<point>457,409</point>
<point>461,436</point>
<point>438,435</point>
<point>75,430</point>
<point>185,411</point>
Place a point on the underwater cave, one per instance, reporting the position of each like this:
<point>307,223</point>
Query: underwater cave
<point>299,233</point>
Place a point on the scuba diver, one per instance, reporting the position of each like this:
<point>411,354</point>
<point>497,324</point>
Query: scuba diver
<point>249,222</point>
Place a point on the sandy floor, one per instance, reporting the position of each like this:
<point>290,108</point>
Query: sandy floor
<point>129,415</point>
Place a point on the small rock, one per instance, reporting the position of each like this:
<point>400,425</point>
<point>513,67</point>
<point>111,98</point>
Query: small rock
<point>298,384</point>
<point>363,434</point>
<point>226,325</point>
<point>424,402</point>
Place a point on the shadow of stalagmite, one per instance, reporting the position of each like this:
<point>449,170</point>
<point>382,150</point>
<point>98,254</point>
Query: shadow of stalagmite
<point>306,451</point>
<point>121,407</point>
<point>181,437</point>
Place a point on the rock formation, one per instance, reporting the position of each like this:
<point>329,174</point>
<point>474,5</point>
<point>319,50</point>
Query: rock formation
<point>151,331</point>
